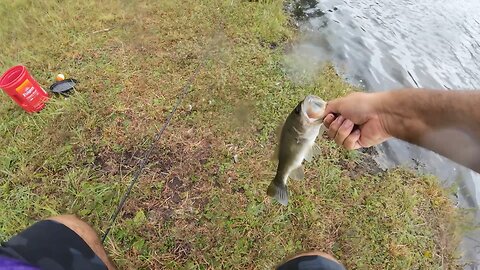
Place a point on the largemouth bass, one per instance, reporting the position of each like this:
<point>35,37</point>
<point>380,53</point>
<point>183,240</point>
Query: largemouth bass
<point>297,142</point>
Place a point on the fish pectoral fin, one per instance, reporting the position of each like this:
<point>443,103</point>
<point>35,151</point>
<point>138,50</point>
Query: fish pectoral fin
<point>309,156</point>
<point>297,174</point>
<point>314,151</point>
<point>278,192</point>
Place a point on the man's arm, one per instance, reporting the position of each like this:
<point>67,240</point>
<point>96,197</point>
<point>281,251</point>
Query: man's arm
<point>447,122</point>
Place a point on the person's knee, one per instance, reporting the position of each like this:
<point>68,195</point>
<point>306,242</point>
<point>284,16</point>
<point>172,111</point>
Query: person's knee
<point>87,233</point>
<point>77,225</point>
<point>82,229</point>
<point>69,220</point>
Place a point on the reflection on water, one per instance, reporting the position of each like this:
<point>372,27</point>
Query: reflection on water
<point>391,44</point>
<point>388,44</point>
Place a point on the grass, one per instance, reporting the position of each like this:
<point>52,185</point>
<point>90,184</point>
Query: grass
<point>194,207</point>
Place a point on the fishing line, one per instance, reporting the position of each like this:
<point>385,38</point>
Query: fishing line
<point>143,163</point>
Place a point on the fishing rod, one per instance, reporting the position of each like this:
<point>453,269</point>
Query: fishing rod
<point>146,156</point>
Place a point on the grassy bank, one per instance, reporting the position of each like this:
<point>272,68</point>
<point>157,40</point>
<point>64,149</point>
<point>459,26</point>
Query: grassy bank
<point>194,207</point>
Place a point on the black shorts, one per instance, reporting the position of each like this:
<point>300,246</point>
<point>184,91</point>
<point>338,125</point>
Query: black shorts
<point>53,246</point>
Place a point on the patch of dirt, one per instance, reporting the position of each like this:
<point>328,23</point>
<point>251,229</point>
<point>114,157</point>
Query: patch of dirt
<point>181,250</point>
<point>128,214</point>
<point>238,190</point>
<point>116,163</point>
<point>175,183</point>
<point>365,165</point>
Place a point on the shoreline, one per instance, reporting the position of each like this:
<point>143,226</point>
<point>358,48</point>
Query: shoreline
<point>201,201</point>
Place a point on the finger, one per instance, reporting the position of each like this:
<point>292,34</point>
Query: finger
<point>332,106</point>
<point>328,120</point>
<point>332,130</point>
<point>351,142</point>
<point>343,131</point>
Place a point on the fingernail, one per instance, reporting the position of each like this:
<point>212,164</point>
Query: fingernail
<point>340,118</point>
<point>356,132</point>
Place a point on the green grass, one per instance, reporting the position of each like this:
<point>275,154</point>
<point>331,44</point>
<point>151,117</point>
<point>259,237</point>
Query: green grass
<point>194,208</point>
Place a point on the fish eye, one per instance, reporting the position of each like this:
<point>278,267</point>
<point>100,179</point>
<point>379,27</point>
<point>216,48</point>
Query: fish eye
<point>318,104</point>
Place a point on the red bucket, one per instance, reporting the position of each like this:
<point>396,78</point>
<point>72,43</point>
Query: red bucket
<point>23,89</point>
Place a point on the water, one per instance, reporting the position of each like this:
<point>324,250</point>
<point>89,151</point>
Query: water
<point>388,44</point>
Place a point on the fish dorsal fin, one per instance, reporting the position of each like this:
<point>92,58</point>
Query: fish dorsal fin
<point>276,153</point>
<point>278,135</point>
<point>278,131</point>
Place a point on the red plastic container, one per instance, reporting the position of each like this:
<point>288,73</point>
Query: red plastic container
<point>23,89</point>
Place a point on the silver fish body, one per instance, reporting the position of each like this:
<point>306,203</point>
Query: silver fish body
<point>297,142</point>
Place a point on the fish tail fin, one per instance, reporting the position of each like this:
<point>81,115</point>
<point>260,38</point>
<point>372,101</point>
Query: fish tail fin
<point>278,192</point>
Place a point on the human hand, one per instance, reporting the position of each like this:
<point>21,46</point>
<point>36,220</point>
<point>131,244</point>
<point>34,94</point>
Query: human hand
<point>356,120</point>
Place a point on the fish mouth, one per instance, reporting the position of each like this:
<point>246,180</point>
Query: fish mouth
<point>313,109</point>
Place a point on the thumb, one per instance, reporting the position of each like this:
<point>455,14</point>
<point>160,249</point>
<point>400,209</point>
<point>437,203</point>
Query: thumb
<point>333,107</point>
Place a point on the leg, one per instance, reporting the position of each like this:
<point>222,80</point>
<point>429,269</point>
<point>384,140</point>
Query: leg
<point>88,234</point>
<point>62,242</point>
<point>311,261</point>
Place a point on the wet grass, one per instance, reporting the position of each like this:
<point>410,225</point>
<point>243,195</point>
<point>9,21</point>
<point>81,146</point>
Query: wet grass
<point>194,207</point>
